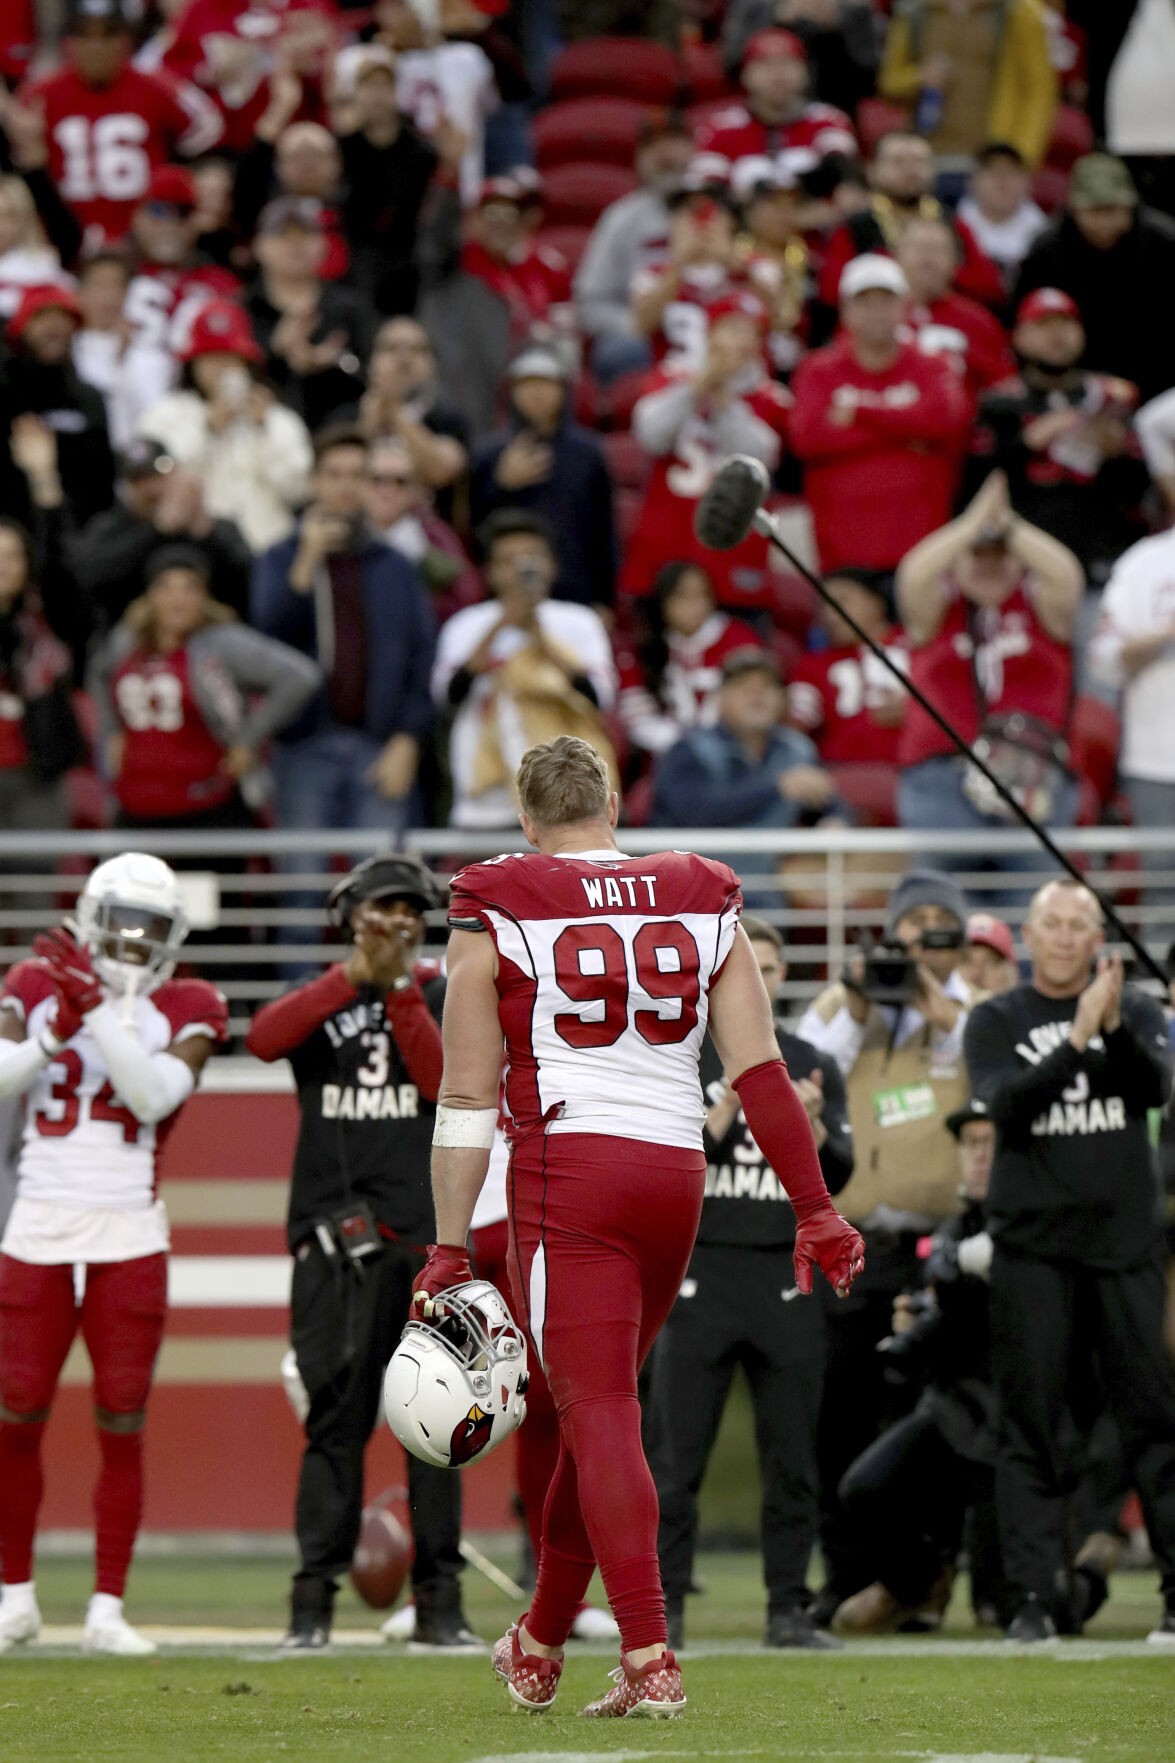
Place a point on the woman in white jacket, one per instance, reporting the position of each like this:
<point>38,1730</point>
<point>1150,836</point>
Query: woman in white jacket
<point>252,455</point>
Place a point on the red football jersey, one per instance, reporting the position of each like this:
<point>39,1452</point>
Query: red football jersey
<point>834,697</point>
<point>986,661</point>
<point>884,476</point>
<point>818,130</point>
<point>105,141</point>
<point>162,302</point>
<point>977,276</point>
<point>537,288</point>
<point>678,480</point>
<point>208,32</point>
<point>964,332</point>
<point>82,1146</point>
<point>688,696</point>
<point>680,338</point>
<point>605,964</point>
<point>171,760</point>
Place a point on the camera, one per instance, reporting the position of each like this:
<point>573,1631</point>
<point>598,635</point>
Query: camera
<point>891,971</point>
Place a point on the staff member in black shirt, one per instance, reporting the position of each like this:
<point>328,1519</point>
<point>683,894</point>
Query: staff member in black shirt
<point>365,1046</point>
<point>1068,1068</point>
<point>739,1305</point>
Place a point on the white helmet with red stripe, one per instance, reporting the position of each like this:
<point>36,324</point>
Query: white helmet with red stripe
<point>456,1386</point>
<point>131,919</point>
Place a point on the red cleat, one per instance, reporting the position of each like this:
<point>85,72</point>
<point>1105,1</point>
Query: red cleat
<point>653,1691</point>
<point>532,1682</point>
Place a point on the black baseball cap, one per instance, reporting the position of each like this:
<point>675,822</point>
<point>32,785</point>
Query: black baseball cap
<point>970,1111</point>
<point>399,876</point>
<point>143,457</point>
<point>177,556</point>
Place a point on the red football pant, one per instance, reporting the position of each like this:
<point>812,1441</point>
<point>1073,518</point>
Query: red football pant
<point>538,1440</point>
<point>121,1316</point>
<point>601,1235</point>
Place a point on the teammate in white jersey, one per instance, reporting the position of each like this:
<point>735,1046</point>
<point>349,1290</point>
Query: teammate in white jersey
<point>106,1048</point>
<point>601,972</point>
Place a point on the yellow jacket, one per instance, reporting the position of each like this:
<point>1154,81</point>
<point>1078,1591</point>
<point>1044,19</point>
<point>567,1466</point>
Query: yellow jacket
<point>1004,87</point>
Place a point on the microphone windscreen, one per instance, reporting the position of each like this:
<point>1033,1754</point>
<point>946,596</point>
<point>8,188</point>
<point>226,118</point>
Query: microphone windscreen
<point>727,510</point>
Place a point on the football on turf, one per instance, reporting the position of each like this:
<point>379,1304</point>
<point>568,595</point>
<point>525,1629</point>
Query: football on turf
<point>382,1558</point>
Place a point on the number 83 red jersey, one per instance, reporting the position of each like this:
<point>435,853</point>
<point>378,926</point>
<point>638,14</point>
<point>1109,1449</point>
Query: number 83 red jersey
<point>605,964</point>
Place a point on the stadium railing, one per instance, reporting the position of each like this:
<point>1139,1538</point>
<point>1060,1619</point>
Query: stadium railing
<point>821,887</point>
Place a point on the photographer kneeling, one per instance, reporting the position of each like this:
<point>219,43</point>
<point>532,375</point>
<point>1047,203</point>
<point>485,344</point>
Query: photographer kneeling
<point>365,1047</point>
<point>1069,1067</point>
<point>913,1487</point>
<point>894,1024</point>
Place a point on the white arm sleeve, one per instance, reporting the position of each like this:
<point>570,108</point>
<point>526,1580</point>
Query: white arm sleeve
<point>153,1085</point>
<point>20,1062</point>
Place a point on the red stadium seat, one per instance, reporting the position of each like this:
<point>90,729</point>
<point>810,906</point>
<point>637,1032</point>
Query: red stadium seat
<point>576,195</point>
<point>875,117</point>
<point>1094,735</point>
<point>571,241</point>
<point>1049,187</point>
<point>587,128</point>
<point>704,72</point>
<point>627,460</point>
<point>870,790</point>
<point>614,67</point>
<point>1072,137</point>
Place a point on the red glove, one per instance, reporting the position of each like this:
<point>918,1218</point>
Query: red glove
<point>446,1266</point>
<point>828,1241</point>
<point>66,1021</point>
<point>72,969</point>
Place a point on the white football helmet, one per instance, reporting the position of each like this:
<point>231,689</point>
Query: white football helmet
<point>456,1387</point>
<point>130,918</point>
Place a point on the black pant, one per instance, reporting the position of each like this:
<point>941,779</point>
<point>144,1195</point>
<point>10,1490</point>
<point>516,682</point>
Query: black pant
<point>911,1491</point>
<point>344,1326</point>
<point>857,1402</point>
<point>739,1307</point>
<point>1054,1327</point>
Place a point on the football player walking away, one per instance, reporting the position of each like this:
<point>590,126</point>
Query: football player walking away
<point>602,971</point>
<point>365,1047</point>
<point>106,1048</point>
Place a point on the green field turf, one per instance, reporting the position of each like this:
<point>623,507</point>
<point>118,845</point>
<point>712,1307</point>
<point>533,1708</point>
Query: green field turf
<point>1108,1699</point>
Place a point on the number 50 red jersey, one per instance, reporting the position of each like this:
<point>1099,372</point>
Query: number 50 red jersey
<point>605,964</point>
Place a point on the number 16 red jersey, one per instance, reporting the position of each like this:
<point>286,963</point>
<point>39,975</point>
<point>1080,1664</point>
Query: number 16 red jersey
<point>605,964</point>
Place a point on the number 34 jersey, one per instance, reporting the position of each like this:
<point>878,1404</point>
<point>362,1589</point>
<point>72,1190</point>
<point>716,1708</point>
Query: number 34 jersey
<point>605,964</point>
<point>82,1146</point>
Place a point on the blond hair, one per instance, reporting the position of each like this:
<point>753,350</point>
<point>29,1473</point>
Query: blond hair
<point>563,781</point>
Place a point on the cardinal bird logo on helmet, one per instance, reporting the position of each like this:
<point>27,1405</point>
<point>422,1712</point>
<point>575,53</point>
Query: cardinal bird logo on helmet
<point>471,1435</point>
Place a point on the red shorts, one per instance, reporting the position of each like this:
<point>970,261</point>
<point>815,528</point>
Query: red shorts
<point>601,1231</point>
<point>121,1316</point>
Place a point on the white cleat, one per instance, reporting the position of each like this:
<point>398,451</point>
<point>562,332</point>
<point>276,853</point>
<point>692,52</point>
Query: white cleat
<point>401,1624</point>
<point>18,1627</point>
<point>594,1625</point>
<point>116,1638</point>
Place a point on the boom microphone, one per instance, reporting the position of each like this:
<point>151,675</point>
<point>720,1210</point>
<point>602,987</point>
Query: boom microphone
<point>726,513</point>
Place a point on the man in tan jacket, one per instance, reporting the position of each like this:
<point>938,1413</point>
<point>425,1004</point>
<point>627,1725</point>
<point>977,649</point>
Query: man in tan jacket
<point>903,1068</point>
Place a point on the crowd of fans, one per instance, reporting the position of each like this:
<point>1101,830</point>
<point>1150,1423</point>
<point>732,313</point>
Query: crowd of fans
<point>341,457</point>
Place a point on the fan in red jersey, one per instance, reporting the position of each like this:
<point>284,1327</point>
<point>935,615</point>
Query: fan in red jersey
<point>777,117</point>
<point>688,421</point>
<point>671,674</point>
<point>602,972</point>
<point>843,696</point>
<point>940,319</point>
<point>673,298</point>
<point>109,124</point>
<point>533,280</point>
<point>106,1048</point>
<point>233,49</point>
<point>172,281</point>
